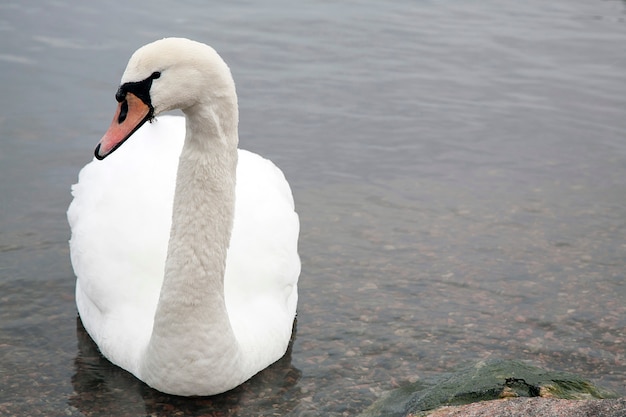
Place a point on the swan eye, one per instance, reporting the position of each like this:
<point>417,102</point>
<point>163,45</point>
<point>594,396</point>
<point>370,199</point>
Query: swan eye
<point>139,88</point>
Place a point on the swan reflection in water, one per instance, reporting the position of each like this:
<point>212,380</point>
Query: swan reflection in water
<point>101,388</point>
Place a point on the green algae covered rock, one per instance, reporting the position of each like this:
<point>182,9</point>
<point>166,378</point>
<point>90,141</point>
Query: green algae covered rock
<point>486,380</point>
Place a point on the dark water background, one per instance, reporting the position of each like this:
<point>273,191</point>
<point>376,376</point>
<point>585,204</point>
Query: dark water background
<point>459,168</point>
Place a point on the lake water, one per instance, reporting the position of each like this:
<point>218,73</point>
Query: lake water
<point>459,169</point>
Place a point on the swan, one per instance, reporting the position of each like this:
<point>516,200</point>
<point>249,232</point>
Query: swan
<point>184,247</point>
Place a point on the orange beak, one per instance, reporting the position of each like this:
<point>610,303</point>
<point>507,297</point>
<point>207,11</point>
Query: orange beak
<point>131,114</point>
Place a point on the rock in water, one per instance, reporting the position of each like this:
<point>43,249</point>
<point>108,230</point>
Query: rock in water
<point>484,381</point>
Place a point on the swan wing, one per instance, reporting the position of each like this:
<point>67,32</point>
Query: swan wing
<point>120,219</point>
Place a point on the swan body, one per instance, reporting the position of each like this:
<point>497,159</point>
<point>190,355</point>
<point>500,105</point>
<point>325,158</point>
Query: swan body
<point>184,247</point>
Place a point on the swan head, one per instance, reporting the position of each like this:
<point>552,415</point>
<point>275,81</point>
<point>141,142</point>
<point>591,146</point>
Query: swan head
<point>168,74</point>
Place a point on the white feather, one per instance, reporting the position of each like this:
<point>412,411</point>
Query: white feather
<point>120,219</point>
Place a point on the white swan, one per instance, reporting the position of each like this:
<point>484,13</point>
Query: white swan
<point>163,287</point>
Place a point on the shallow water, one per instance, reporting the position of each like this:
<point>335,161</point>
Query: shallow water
<point>459,169</point>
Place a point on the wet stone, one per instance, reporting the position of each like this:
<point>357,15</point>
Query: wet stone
<point>482,382</point>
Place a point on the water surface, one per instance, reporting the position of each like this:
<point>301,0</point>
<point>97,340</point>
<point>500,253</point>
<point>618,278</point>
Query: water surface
<point>459,169</point>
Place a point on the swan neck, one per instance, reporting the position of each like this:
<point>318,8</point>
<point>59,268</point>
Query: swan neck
<point>191,311</point>
<point>211,124</point>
